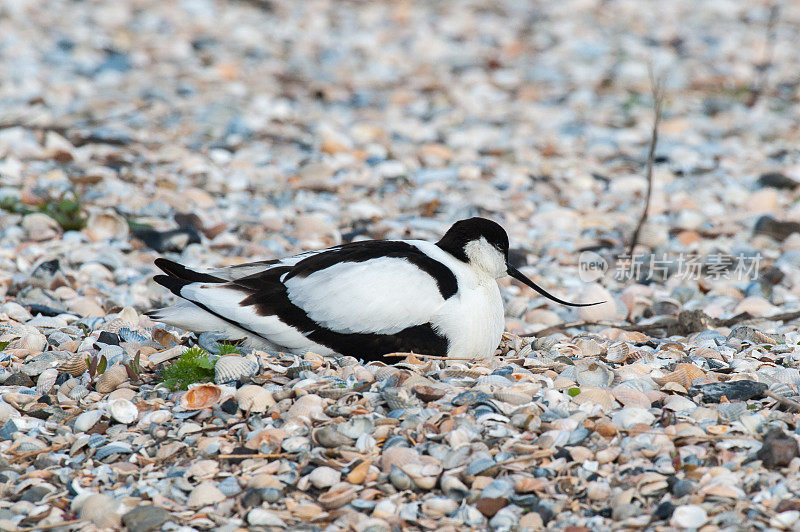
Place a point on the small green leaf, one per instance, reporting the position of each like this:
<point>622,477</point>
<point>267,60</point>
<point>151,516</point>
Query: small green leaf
<point>101,366</point>
<point>3,345</point>
<point>136,365</point>
<point>572,392</point>
<point>92,363</point>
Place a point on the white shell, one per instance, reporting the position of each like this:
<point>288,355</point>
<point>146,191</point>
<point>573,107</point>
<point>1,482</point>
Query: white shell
<point>253,398</point>
<point>206,493</point>
<point>688,516</point>
<point>123,411</point>
<point>87,420</point>
<point>593,373</point>
<point>234,367</point>
<point>627,417</point>
<point>324,477</point>
<point>46,380</point>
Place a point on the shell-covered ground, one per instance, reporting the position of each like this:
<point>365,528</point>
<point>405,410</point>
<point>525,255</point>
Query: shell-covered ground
<point>218,132</point>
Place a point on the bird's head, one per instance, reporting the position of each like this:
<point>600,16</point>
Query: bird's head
<point>483,244</point>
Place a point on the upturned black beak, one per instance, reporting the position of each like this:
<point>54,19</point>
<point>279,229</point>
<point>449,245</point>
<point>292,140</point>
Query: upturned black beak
<point>519,276</point>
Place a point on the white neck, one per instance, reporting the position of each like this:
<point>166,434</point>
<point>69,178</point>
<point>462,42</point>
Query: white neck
<point>485,259</point>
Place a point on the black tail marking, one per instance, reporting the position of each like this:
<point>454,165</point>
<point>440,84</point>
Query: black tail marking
<point>173,284</point>
<point>180,271</point>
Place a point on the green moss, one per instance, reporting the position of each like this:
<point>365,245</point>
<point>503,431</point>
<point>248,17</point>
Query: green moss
<point>227,349</point>
<point>195,365</point>
<point>66,210</point>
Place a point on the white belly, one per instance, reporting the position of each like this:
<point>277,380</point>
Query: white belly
<point>472,320</point>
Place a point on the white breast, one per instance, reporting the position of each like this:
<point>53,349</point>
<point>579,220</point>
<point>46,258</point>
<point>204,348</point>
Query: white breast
<point>473,319</point>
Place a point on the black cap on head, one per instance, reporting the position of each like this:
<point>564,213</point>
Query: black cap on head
<point>469,230</point>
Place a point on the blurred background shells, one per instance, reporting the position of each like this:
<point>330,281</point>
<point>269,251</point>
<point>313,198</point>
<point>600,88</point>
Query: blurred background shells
<point>216,133</point>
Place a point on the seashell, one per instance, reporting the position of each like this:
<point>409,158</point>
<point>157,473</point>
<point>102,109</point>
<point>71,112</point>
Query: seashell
<point>595,396</point>
<point>338,496</point>
<point>46,380</point>
<point>234,367</point>
<point>296,444</point>
<point>683,374</point>
<point>202,469</point>
<point>497,381</point>
<point>106,225</point>
<point>630,396</point>
<point>296,369</point>
<point>458,373</point>
<point>398,398</point>
<point>731,412</point>
<point>324,477</point>
<point>400,479</point>
<point>438,507</point>
<point>333,393</point>
<point>202,396</point>
<point>205,494</point>
<point>87,420</point>
<point>78,392</point>
<point>425,472</point>
<point>253,398</point>
<point>589,347</point>
<point>111,379</point>
<point>129,335</point>
<point>123,411</point>
<point>356,427</point>
<point>358,474</point>
<point>627,417</point>
<point>397,456</point>
<point>74,365</point>
<point>689,516</point>
<point>329,437</point>
<point>428,394</point>
<point>786,390</point>
<point>593,373</point>
<point>470,397</point>
<point>383,372</point>
<point>618,352</point>
<point>512,396</point>
<point>306,408</point>
<point>679,403</point>
<point>453,487</point>
<point>481,466</point>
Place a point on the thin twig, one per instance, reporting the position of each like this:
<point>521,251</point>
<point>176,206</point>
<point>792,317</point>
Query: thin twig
<point>763,67</point>
<point>785,401</point>
<point>658,100</point>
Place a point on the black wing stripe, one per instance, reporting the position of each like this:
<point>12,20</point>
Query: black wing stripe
<point>374,249</point>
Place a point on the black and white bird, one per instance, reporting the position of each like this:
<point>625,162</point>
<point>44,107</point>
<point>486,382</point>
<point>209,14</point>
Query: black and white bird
<point>364,299</point>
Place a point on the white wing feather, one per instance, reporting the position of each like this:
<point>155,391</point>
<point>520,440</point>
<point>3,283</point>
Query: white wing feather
<point>382,295</point>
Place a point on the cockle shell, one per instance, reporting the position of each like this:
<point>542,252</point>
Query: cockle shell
<point>589,347</point>
<point>106,225</point>
<point>123,411</point>
<point>205,494</point>
<point>513,397</point>
<point>111,379</point>
<point>202,396</point>
<point>78,392</point>
<point>596,396</point>
<point>358,474</point>
<point>87,420</point>
<point>338,496</point>
<point>618,352</point>
<point>683,374</point>
<point>629,396</point>
<point>234,367</point>
<point>46,380</point>
<point>74,365</point>
<point>306,408</point>
<point>253,398</point>
<point>593,373</point>
<point>324,477</point>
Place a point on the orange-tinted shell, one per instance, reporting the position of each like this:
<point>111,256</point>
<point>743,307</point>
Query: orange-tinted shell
<point>683,374</point>
<point>199,397</point>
